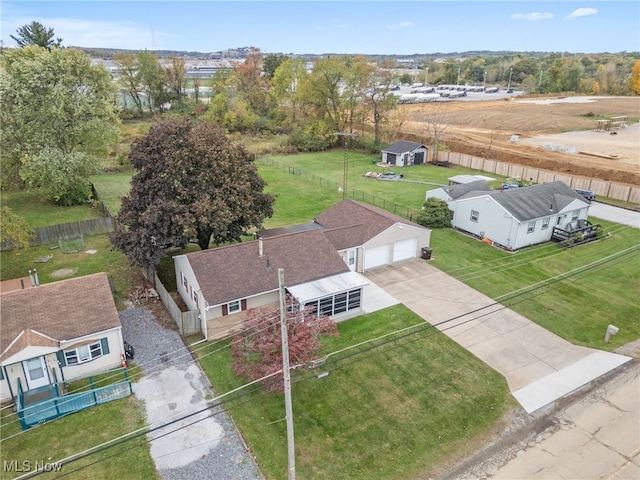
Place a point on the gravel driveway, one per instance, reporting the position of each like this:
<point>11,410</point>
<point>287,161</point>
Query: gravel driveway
<point>173,384</point>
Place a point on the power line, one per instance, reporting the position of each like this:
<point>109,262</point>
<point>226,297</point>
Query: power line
<point>578,273</point>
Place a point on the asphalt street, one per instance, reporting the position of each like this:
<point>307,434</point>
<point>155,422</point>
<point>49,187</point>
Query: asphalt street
<point>594,435</point>
<point>614,214</point>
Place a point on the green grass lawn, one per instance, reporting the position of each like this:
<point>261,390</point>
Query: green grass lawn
<point>17,263</point>
<point>425,401</point>
<point>394,412</point>
<point>579,307</point>
<point>39,213</point>
<point>111,187</point>
<point>54,441</point>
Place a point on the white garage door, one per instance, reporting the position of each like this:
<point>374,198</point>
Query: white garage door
<point>376,256</point>
<point>405,249</point>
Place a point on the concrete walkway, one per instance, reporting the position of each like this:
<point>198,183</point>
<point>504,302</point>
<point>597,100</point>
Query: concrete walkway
<point>539,366</point>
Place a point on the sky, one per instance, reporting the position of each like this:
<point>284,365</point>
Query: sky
<point>322,27</point>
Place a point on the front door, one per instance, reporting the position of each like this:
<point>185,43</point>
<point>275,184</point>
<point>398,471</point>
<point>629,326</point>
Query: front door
<point>351,259</point>
<point>36,372</point>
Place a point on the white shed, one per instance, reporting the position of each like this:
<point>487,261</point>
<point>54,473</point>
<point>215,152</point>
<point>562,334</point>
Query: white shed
<point>404,153</point>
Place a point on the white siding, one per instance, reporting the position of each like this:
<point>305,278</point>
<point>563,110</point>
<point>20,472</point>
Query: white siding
<point>405,249</point>
<point>376,256</point>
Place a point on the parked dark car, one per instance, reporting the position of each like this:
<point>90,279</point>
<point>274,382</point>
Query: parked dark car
<point>587,194</point>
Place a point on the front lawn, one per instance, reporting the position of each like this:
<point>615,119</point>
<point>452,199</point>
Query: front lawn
<point>58,439</point>
<point>393,412</point>
<point>575,293</point>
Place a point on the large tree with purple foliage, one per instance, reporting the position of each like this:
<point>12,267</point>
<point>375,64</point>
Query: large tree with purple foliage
<point>193,184</point>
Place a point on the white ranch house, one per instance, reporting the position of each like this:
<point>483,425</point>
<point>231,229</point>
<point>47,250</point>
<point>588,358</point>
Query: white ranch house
<point>514,218</point>
<point>322,262</point>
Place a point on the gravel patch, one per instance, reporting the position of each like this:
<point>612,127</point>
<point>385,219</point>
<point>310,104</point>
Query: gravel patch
<point>211,450</point>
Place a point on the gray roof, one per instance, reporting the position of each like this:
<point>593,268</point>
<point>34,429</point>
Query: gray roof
<point>403,146</point>
<point>536,201</point>
<point>457,191</point>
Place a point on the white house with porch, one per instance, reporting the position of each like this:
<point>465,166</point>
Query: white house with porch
<point>514,218</point>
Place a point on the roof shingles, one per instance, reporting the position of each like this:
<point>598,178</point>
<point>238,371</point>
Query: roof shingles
<point>61,310</point>
<point>238,271</point>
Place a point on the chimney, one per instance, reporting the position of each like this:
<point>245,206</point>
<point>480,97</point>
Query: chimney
<point>260,247</point>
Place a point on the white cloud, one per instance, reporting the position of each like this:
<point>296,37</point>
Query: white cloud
<point>535,16</point>
<point>397,26</point>
<point>581,12</point>
<point>96,33</point>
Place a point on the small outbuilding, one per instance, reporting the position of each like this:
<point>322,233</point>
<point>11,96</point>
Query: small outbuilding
<point>404,153</point>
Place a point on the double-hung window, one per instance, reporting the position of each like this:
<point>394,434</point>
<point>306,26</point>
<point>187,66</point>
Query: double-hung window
<point>83,354</point>
<point>475,215</point>
<point>234,306</point>
<point>531,227</point>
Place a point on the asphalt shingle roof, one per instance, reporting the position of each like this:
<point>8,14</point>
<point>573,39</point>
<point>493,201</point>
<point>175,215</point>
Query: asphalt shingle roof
<point>351,223</point>
<point>402,146</point>
<point>238,271</point>
<point>536,201</point>
<point>61,310</point>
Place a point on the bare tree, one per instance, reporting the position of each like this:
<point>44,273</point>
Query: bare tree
<point>435,123</point>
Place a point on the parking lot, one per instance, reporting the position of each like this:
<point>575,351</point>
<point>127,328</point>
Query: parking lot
<point>469,96</point>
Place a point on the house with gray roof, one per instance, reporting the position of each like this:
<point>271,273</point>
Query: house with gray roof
<point>457,190</point>
<point>519,217</point>
<point>404,153</point>
<point>321,260</point>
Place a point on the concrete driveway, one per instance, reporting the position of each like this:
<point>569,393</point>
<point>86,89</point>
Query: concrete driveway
<point>539,366</point>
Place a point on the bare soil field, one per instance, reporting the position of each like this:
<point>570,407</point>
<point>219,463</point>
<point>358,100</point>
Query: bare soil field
<point>566,125</point>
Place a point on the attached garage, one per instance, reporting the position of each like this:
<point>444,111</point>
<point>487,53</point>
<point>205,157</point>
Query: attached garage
<point>405,249</point>
<point>376,256</point>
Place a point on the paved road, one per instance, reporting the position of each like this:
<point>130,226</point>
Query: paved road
<point>597,436</point>
<point>614,214</point>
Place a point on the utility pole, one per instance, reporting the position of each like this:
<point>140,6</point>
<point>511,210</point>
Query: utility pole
<point>345,167</point>
<point>426,77</point>
<point>286,377</point>
<point>509,85</point>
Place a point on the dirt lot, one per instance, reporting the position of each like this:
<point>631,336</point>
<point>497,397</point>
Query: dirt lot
<point>566,124</point>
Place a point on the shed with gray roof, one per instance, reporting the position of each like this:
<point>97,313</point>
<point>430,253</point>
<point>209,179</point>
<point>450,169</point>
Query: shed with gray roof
<point>404,153</point>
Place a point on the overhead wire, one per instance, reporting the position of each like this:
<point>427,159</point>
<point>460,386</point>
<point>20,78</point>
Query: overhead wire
<point>518,293</point>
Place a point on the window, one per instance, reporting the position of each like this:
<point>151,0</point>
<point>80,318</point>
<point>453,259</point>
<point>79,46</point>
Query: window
<point>195,298</point>
<point>474,216</point>
<point>338,303</point>
<point>351,255</point>
<point>559,220</point>
<point>531,227</point>
<point>234,306</point>
<point>545,223</point>
<point>83,354</point>
<point>574,216</point>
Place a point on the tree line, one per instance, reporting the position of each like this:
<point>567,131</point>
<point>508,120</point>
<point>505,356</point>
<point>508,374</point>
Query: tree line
<point>61,112</point>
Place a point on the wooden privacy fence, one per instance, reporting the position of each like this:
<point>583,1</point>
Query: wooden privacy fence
<point>188,322</point>
<point>53,233</point>
<point>601,188</point>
